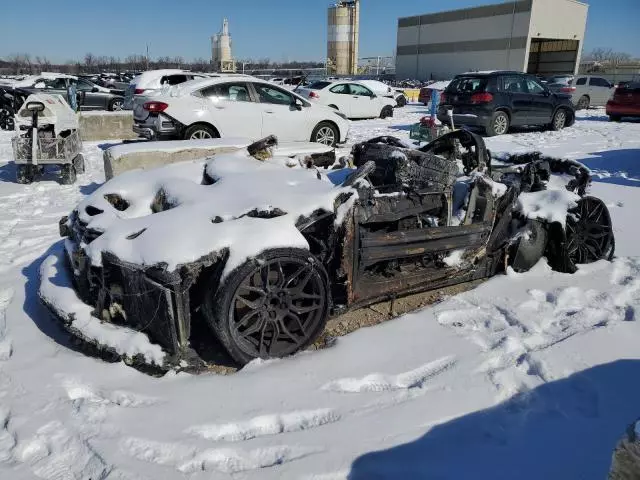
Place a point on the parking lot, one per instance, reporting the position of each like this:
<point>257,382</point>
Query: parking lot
<point>524,349</point>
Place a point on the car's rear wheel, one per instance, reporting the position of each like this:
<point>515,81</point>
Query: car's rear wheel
<point>583,103</point>
<point>499,124</point>
<point>560,119</point>
<point>402,101</point>
<point>200,132</point>
<point>271,306</point>
<point>116,105</point>
<point>589,235</point>
<point>386,112</point>
<point>325,133</point>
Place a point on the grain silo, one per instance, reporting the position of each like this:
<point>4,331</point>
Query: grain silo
<point>221,50</point>
<point>342,43</point>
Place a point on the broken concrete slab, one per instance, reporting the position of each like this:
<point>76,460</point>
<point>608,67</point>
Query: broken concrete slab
<point>146,154</point>
<point>106,126</point>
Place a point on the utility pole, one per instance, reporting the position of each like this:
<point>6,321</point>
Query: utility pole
<point>147,57</point>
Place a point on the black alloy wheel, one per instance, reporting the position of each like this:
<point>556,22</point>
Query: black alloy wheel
<point>272,306</point>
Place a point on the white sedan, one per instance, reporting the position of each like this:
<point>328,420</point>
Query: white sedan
<point>352,98</point>
<point>236,107</point>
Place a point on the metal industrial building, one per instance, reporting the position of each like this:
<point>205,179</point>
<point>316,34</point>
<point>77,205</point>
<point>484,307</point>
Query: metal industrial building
<point>535,36</point>
<point>221,56</point>
<point>343,27</point>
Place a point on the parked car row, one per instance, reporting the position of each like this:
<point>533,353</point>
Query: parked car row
<point>234,105</point>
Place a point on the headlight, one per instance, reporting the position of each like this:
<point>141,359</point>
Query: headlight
<point>341,115</point>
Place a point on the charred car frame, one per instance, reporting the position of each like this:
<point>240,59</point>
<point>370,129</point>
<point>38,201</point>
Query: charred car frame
<point>405,221</point>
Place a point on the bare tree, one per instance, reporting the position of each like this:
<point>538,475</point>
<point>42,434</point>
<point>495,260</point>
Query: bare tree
<point>89,61</point>
<point>608,55</point>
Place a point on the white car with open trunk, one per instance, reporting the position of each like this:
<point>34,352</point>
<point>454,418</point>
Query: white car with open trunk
<point>236,106</point>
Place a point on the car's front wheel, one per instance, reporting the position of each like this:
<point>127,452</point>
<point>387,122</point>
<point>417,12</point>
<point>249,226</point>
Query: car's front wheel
<point>325,133</point>
<point>273,305</point>
<point>499,124</point>
<point>200,132</point>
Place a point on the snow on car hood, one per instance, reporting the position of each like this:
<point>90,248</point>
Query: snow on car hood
<point>197,218</point>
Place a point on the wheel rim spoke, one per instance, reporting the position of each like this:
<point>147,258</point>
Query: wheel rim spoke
<point>277,307</point>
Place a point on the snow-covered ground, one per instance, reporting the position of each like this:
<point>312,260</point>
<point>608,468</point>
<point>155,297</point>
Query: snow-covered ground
<point>528,376</point>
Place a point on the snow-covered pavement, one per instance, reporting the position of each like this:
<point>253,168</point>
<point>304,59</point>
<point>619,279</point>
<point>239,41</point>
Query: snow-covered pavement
<point>528,376</point>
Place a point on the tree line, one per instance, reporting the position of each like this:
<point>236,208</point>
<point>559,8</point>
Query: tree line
<point>24,63</point>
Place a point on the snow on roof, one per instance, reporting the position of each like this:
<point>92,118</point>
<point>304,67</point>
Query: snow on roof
<point>203,219</point>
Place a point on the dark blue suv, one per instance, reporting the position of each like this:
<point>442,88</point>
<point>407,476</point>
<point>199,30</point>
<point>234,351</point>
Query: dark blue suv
<point>499,100</point>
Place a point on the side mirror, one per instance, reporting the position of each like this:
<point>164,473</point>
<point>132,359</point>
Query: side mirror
<point>373,95</point>
<point>546,93</point>
<point>297,104</point>
<point>94,90</point>
<point>35,107</point>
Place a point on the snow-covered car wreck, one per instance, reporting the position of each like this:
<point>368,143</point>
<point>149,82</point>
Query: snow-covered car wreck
<point>264,254</point>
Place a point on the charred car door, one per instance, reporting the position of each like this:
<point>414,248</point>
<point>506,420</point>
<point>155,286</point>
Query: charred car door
<point>406,238</point>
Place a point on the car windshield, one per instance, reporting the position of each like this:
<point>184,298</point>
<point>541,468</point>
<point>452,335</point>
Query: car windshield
<point>467,85</point>
<point>319,85</point>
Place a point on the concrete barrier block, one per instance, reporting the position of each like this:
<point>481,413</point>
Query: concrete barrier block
<point>106,126</point>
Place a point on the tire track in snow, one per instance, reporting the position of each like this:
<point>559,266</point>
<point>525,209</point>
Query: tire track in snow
<point>512,332</point>
<point>6,346</point>
<point>379,382</point>
<point>265,425</point>
<point>189,459</point>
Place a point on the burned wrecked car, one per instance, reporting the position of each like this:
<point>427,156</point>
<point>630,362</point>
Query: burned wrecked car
<point>265,253</point>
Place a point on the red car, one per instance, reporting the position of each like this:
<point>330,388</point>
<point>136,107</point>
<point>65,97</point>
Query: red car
<point>625,102</point>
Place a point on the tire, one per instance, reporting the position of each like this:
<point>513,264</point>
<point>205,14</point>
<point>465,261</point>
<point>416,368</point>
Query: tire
<point>386,112</point>
<point>402,101</point>
<point>615,118</point>
<point>68,174</point>
<point>265,299</point>
<point>583,103</point>
<point>499,124</point>
<point>25,174</point>
<point>325,133</point>
<point>589,235</point>
<point>200,132</point>
<point>560,119</point>
<point>116,105</point>
<point>78,163</point>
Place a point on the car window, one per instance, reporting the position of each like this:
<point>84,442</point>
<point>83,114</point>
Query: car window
<point>343,89</point>
<point>534,87</point>
<point>83,86</point>
<point>319,85</point>
<point>598,82</point>
<point>467,85</point>
<point>269,94</point>
<point>514,84</point>
<point>57,83</point>
<point>232,92</point>
<point>581,81</point>
<point>360,90</point>
<point>173,79</point>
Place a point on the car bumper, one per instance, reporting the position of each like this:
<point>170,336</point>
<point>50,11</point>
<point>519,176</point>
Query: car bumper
<point>155,127</point>
<point>622,109</point>
<point>127,300</point>
<point>469,118</point>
